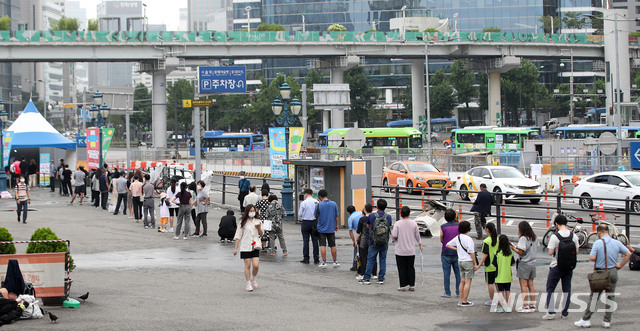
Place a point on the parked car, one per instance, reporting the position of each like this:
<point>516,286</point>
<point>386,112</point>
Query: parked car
<point>498,179</point>
<point>411,174</point>
<point>612,185</point>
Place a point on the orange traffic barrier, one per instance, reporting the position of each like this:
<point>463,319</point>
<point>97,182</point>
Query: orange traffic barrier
<point>601,213</point>
<point>422,199</point>
<point>548,216</point>
<point>372,202</point>
<point>504,214</point>
<point>460,211</point>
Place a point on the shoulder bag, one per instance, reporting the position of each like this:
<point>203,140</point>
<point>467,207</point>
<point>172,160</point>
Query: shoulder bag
<point>475,255</point>
<point>599,279</point>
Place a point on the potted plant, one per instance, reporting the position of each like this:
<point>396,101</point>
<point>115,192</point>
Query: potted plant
<point>54,247</point>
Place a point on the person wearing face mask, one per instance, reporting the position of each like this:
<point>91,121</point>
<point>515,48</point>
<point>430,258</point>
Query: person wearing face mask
<point>248,240</point>
<point>22,198</point>
<point>243,189</point>
<point>202,201</point>
<point>183,200</point>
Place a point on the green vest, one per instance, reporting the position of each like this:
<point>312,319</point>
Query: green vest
<point>492,254</point>
<point>504,268</point>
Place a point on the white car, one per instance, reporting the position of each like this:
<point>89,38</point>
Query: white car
<point>610,184</point>
<point>498,179</point>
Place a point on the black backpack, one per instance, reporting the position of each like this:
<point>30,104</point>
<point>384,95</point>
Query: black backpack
<point>634,261</point>
<point>566,253</point>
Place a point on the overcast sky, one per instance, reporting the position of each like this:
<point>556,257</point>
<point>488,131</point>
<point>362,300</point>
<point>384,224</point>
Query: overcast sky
<point>158,11</point>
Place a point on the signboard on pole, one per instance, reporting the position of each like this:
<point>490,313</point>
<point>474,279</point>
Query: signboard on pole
<point>6,147</point>
<point>222,80</point>
<point>295,145</point>
<point>107,135</point>
<point>189,103</point>
<point>278,152</point>
<point>45,158</point>
<point>634,153</point>
<point>93,148</point>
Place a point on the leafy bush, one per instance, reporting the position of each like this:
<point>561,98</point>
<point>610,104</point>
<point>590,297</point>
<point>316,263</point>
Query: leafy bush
<point>6,248</point>
<point>431,30</point>
<point>270,27</point>
<point>491,29</point>
<point>47,234</point>
<point>336,27</point>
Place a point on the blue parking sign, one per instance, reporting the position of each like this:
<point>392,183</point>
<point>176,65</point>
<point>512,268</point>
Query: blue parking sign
<point>634,154</point>
<point>222,80</point>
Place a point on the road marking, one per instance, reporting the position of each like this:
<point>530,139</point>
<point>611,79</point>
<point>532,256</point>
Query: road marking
<point>510,223</point>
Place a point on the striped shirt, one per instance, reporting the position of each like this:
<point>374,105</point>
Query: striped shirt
<point>21,192</point>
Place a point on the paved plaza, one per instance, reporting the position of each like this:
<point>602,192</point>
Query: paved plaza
<point>140,280</point>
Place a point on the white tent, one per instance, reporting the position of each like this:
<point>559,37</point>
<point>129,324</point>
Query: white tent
<point>31,130</point>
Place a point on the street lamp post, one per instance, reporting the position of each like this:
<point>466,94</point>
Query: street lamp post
<point>99,114</point>
<point>248,10</point>
<point>3,119</point>
<point>281,109</point>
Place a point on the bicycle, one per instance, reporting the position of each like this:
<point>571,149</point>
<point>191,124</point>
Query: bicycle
<point>613,231</point>
<point>577,230</point>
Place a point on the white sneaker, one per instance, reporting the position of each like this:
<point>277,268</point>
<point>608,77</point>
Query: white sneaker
<point>359,277</point>
<point>374,277</point>
<point>322,265</point>
<point>186,237</point>
<point>171,230</point>
<point>606,325</point>
<point>176,237</point>
<point>548,316</point>
<point>249,288</point>
<point>146,227</point>
<point>582,324</point>
<point>164,230</point>
<point>336,265</point>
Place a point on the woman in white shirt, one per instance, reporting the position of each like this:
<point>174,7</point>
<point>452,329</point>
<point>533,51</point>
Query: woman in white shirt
<point>248,238</point>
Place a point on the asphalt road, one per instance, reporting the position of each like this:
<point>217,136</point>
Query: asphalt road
<point>143,280</point>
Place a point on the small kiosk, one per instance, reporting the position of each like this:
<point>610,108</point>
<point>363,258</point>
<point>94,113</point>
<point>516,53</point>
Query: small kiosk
<point>348,182</point>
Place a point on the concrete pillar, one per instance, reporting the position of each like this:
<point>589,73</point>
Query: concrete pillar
<point>337,118</point>
<point>337,75</point>
<point>159,109</point>
<point>417,91</point>
<point>611,54</point>
<point>325,120</point>
<point>495,107</point>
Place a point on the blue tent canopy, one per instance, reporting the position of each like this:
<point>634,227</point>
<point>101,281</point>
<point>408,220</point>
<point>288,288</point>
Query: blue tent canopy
<point>31,130</point>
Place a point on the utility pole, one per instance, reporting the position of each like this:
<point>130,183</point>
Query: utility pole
<point>175,117</point>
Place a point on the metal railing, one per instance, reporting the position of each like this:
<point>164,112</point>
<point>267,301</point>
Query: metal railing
<point>224,185</point>
<point>501,207</point>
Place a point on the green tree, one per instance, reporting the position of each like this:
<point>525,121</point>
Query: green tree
<point>259,111</point>
<point>598,85</point>
<point>178,91</point>
<point>442,99</point>
<point>270,27</point>
<point>336,27</point>
<point>5,235</point>
<point>574,20</point>
<point>431,30</point>
<point>546,23</point>
<point>462,81</point>
<point>491,29</point>
<point>229,112</point>
<point>142,107</point>
<point>313,77</point>
<point>5,23</point>
<point>92,24</point>
<point>65,24</point>
<point>362,92</point>
<point>519,87</point>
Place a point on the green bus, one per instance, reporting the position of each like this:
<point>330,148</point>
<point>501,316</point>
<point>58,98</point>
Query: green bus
<point>492,139</point>
<point>380,140</point>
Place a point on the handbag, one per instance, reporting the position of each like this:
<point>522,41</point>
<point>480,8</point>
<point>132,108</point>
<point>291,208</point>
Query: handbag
<point>599,280</point>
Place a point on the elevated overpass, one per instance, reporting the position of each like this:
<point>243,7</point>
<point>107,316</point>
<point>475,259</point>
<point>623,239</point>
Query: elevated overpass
<point>159,51</point>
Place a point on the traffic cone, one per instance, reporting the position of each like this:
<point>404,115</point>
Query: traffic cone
<point>460,211</point>
<point>548,215</point>
<point>601,213</point>
<point>504,214</point>
<point>422,199</point>
<point>372,202</point>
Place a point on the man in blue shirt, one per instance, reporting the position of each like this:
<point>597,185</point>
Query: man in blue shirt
<point>327,215</point>
<point>377,249</point>
<point>482,208</point>
<point>608,261</point>
<point>352,222</point>
<point>243,189</point>
<point>307,213</point>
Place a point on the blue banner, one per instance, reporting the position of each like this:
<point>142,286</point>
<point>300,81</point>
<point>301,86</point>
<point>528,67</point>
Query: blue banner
<point>278,152</point>
<point>6,147</point>
<point>222,80</point>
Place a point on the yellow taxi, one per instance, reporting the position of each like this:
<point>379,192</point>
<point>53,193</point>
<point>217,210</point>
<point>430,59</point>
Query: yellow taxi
<point>412,174</point>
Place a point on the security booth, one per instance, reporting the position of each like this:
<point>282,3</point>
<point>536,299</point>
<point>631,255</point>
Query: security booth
<point>348,182</point>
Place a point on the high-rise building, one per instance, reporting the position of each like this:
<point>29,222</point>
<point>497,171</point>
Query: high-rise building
<point>198,10</point>
<point>183,22</point>
<point>116,16</point>
<point>11,73</point>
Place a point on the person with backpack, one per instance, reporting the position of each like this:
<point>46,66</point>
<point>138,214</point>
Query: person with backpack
<point>327,216</point>
<point>379,224</point>
<point>527,248</point>
<point>467,262</point>
<point>481,208</point>
<point>563,247</point>
<point>449,257</point>
<point>243,190</point>
<point>489,250</point>
<point>405,234</point>
<point>503,262</point>
<point>604,254</point>
<point>363,237</point>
